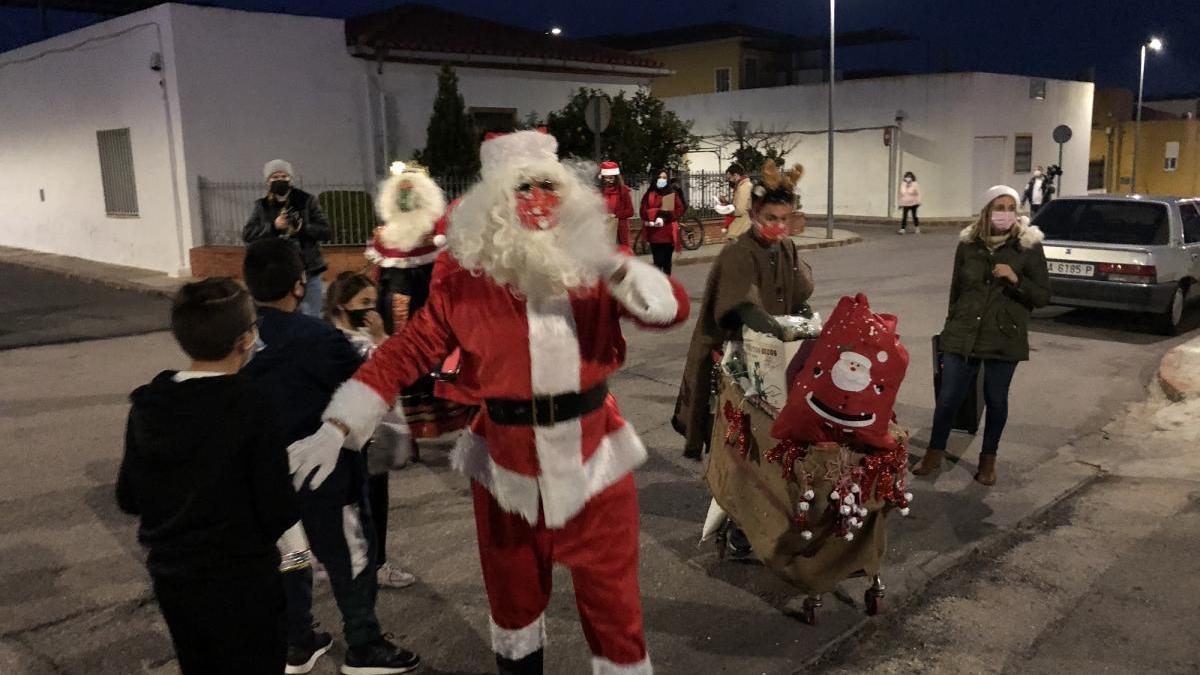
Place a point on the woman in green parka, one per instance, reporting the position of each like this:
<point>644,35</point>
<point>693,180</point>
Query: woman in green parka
<point>1000,277</point>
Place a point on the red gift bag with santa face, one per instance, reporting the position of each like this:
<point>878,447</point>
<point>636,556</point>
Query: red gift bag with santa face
<point>847,388</point>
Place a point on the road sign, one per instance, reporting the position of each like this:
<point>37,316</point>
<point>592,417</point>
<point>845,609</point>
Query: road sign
<point>598,114</point>
<point>1062,133</point>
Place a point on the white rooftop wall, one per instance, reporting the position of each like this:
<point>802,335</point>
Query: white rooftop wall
<point>943,115</point>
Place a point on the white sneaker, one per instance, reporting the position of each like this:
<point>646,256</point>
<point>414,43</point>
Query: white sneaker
<point>900,231</point>
<point>390,576</point>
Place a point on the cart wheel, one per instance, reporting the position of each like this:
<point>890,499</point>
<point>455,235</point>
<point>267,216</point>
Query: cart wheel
<point>809,610</point>
<point>874,602</point>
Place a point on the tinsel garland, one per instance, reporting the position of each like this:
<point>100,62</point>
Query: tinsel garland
<point>738,433</point>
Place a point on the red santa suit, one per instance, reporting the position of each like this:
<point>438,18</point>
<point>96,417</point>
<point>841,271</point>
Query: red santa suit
<point>549,455</point>
<point>619,202</point>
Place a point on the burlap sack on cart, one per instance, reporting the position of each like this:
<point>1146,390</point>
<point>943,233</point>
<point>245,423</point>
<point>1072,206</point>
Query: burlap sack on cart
<point>762,502</point>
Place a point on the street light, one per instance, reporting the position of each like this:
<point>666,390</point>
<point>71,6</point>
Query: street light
<point>1155,44</point>
<point>556,31</point>
<point>829,178</point>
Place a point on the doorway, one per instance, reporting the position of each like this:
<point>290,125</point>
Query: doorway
<point>990,165</point>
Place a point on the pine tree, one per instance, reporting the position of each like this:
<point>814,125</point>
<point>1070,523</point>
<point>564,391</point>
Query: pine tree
<point>451,146</point>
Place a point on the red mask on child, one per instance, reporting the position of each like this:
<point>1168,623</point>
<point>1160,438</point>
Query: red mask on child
<point>772,232</point>
<point>537,208</point>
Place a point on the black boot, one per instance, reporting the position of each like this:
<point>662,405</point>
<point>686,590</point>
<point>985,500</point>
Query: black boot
<point>530,665</point>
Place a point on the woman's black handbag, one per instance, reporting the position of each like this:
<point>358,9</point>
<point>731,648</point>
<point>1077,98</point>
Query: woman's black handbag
<point>970,412</point>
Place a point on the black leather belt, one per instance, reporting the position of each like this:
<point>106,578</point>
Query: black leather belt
<point>545,411</point>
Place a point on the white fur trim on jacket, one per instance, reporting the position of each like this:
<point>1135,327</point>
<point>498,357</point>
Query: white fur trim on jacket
<point>602,666</point>
<point>646,293</point>
<point>380,260</point>
<point>561,496</point>
<point>1027,235</point>
<point>521,642</point>
<point>358,407</point>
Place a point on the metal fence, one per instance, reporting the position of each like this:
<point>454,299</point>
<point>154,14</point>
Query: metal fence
<point>350,207</point>
<point>225,206</point>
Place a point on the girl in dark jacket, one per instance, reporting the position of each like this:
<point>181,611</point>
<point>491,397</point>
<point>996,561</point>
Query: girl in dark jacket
<point>662,208</point>
<point>1000,276</point>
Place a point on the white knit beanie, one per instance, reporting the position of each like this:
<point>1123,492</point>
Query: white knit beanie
<point>998,191</point>
<point>277,165</point>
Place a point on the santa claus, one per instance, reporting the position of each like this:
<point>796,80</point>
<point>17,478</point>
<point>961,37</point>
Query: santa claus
<point>535,306</point>
<point>405,247</point>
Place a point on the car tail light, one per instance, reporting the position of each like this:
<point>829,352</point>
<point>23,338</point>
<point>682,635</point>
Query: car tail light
<point>1138,274</point>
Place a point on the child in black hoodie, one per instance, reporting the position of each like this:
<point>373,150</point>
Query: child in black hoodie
<point>206,469</point>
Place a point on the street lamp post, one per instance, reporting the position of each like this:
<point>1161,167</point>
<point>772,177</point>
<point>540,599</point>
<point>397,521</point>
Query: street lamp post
<point>832,74</point>
<point>1157,45</point>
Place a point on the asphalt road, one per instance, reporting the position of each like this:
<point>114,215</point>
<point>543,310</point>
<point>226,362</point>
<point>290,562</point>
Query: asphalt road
<point>39,308</point>
<point>74,598</point>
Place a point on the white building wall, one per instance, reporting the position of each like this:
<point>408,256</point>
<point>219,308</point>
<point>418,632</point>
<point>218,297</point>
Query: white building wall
<point>54,96</point>
<point>942,116</point>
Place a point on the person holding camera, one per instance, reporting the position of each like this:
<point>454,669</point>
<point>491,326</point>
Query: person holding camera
<point>291,213</point>
<point>1039,191</point>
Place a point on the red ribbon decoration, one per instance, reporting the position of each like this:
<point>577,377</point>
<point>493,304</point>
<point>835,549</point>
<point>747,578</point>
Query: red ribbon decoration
<point>738,433</point>
<point>787,453</point>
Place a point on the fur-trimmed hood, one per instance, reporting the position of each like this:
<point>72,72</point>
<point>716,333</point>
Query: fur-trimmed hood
<point>1027,235</point>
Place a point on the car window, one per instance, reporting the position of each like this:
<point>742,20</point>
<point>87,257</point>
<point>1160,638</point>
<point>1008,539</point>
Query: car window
<point>1105,222</point>
<point>1191,222</point>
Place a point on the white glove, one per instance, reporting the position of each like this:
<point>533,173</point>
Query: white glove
<point>658,222</point>
<point>315,456</point>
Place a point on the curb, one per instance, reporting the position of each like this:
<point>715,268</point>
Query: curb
<point>1171,380</point>
<point>943,565</point>
<point>813,246</point>
<point>108,281</point>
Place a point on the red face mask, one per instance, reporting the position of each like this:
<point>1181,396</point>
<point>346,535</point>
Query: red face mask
<point>772,232</point>
<point>537,208</point>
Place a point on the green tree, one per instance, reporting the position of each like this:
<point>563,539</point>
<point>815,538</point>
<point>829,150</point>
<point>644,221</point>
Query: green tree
<point>642,136</point>
<point>451,143</point>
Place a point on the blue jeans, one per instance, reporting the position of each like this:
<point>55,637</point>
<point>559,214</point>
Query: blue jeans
<point>958,375</point>
<point>313,295</point>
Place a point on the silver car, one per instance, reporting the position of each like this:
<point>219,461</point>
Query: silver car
<point>1131,253</point>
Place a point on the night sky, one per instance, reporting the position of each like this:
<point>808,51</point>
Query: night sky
<point>1051,38</point>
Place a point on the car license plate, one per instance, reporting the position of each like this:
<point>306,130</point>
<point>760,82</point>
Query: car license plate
<point>1071,269</point>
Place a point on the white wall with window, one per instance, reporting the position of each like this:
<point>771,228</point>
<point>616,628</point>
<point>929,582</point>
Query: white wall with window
<point>87,146</point>
<point>106,131</point>
<point>959,131</point>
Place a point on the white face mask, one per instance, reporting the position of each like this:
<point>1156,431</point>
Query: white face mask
<point>1003,221</point>
<point>661,183</point>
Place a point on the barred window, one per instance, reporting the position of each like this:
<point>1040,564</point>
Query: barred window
<point>116,172</point>
<point>1023,154</point>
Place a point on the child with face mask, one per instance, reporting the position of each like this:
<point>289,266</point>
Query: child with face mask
<point>350,305</point>
<point>999,278</point>
<point>206,471</point>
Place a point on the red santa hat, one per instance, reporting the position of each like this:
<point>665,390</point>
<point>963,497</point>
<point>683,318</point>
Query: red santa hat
<point>610,168</point>
<point>503,151</point>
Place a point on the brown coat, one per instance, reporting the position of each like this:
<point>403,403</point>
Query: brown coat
<point>771,276</point>
<point>742,196</point>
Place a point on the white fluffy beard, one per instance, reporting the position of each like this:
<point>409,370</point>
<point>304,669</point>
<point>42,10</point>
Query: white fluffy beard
<point>485,235</point>
<point>407,231</point>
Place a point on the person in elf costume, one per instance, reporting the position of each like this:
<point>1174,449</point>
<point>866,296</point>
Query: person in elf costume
<point>754,279</point>
<point>617,199</point>
<point>535,306</point>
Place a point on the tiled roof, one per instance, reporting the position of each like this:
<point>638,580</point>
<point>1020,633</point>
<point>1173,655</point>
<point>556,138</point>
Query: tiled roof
<point>430,30</point>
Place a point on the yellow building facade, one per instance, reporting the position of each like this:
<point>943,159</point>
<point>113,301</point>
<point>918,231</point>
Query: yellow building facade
<point>1168,158</point>
<point>700,68</point>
